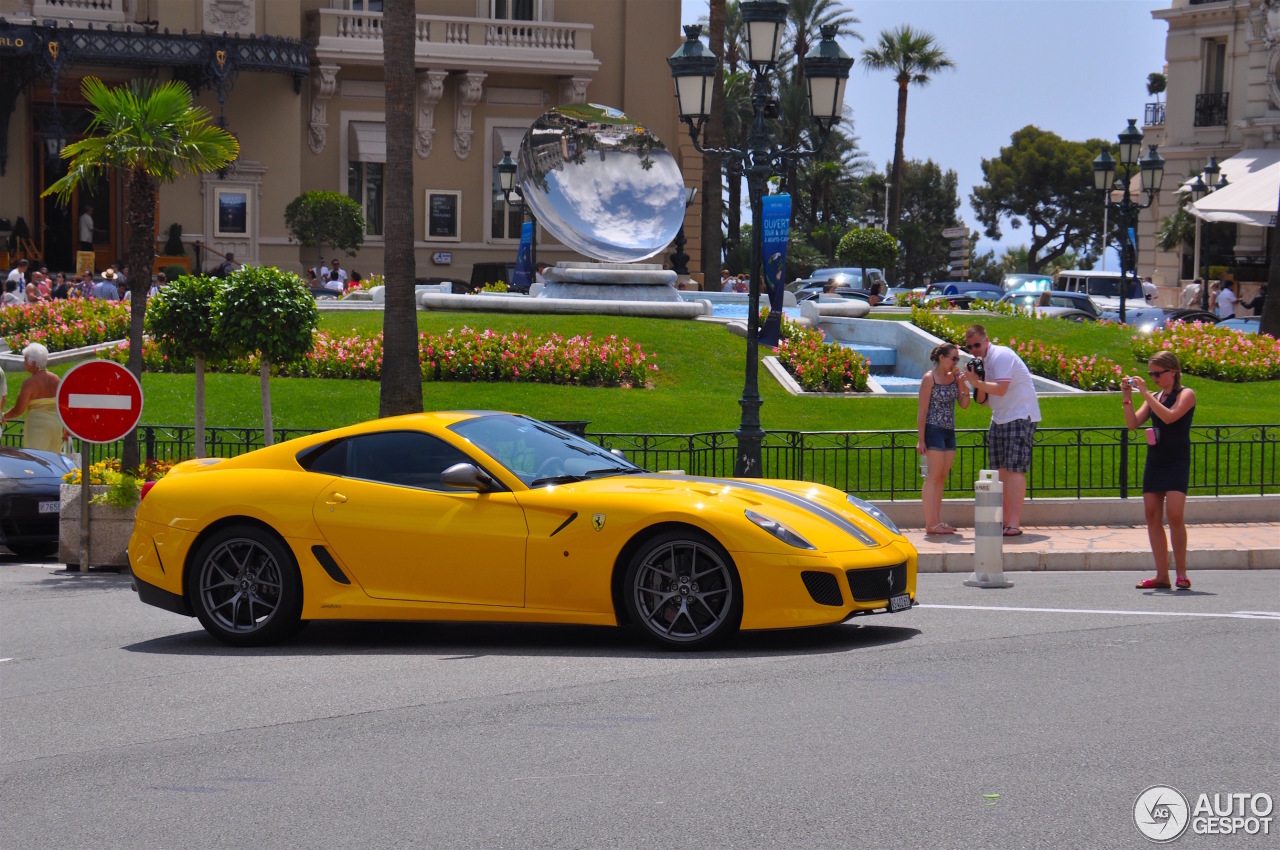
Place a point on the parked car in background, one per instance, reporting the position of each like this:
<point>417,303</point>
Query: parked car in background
<point>30,482</point>
<point>1026,282</point>
<point>842,276</point>
<point>1243,324</point>
<point>1057,301</point>
<point>1103,288</point>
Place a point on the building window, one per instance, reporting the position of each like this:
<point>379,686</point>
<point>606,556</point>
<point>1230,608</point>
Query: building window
<point>1215,67</point>
<point>364,186</point>
<point>507,217</point>
<point>517,10</point>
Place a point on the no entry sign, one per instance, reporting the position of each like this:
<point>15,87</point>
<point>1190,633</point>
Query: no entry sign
<point>99,401</point>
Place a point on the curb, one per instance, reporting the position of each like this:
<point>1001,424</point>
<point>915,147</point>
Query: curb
<point>1113,561</point>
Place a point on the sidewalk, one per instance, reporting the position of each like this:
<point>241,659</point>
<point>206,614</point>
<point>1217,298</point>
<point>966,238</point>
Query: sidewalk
<point>1210,546</point>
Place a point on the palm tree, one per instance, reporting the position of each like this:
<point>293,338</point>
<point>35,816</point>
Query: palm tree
<point>401,388</point>
<point>806,18</point>
<point>737,126</point>
<point>150,133</point>
<point>912,55</point>
<point>712,188</point>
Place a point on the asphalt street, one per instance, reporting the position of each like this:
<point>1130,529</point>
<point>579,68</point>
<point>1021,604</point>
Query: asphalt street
<point>1032,716</point>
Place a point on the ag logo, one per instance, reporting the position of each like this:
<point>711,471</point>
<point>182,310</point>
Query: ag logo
<point>1161,813</point>
<point>597,521</point>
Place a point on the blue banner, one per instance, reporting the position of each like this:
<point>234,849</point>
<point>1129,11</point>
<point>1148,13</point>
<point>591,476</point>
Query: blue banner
<point>775,228</point>
<point>523,274</point>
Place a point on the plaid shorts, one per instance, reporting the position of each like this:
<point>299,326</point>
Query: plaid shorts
<point>1009,445</point>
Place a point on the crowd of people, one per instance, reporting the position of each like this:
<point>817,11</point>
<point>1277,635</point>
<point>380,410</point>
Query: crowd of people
<point>27,284</point>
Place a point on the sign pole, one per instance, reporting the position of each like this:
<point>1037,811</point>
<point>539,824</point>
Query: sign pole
<point>84,508</point>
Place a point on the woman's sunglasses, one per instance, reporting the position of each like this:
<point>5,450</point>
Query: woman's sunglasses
<point>1157,374</point>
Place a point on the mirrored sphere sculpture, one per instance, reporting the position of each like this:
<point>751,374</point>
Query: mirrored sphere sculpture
<point>601,183</point>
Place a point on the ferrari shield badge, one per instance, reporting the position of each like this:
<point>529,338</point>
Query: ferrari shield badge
<point>597,521</point>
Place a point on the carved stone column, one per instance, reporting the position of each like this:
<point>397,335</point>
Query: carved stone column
<point>573,90</point>
<point>470,88</point>
<point>430,90</point>
<point>323,85</point>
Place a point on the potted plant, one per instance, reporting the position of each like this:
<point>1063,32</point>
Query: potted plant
<point>174,252</point>
<point>113,502</point>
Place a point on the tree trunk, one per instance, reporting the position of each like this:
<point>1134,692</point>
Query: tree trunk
<point>199,408</point>
<point>401,388</point>
<point>264,384</point>
<point>895,196</point>
<point>735,214</point>
<point>140,211</point>
<point>1270,323</point>
<point>712,188</point>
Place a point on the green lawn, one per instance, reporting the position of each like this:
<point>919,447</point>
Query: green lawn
<point>697,388</point>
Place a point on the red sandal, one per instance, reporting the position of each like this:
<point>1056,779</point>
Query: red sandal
<point>1153,584</point>
<point>1183,583</point>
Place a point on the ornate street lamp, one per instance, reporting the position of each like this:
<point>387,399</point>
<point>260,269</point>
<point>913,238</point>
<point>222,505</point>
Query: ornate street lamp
<point>1126,209</point>
<point>1206,182</point>
<point>693,68</point>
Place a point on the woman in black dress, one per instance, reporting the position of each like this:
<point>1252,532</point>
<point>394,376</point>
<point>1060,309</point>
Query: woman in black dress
<point>1168,470</point>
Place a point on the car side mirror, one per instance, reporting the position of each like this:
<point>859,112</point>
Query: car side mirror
<point>467,476</point>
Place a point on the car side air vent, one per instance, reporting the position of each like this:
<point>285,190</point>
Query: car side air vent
<point>823,587</point>
<point>330,565</point>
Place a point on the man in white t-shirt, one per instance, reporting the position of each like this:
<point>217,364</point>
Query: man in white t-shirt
<point>336,279</point>
<point>1226,300</point>
<point>86,228</point>
<point>18,275</point>
<point>1015,412</point>
<point>1150,291</point>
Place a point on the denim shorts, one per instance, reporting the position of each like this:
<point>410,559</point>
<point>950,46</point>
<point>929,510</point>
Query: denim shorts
<point>939,439</point>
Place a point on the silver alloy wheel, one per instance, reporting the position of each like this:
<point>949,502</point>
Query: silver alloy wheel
<point>240,585</point>
<point>683,591</point>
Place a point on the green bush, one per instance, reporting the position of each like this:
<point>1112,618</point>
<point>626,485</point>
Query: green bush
<point>869,248</point>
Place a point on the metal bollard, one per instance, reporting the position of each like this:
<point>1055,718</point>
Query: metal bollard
<point>988,532</point>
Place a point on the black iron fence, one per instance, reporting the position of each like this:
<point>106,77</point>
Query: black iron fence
<point>1070,462</point>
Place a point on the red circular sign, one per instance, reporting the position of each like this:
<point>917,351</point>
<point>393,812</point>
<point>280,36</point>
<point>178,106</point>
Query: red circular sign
<point>99,401</point>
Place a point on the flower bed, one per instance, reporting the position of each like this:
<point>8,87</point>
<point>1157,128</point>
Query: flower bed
<point>464,355</point>
<point>1213,352</point>
<point>820,366</point>
<point>1047,361</point>
<point>64,324</point>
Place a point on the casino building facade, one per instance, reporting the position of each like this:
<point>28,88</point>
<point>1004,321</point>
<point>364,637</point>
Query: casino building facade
<point>300,84</point>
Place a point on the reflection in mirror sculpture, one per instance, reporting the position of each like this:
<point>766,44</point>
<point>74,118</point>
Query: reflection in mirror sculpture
<point>601,183</point>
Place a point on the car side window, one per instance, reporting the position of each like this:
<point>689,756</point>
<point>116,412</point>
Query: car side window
<point>403,459</point>
<point>328,459</point>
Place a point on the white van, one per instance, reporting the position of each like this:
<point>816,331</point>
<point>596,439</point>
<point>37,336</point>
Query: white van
<point>1102,287</point>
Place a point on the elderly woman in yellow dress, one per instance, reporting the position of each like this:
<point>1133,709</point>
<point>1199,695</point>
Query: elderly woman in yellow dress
<point>37,402</point>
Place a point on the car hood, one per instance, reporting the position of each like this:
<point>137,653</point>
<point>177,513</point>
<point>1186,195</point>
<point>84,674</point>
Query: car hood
<point>820,514</point>
<point>32,465</point>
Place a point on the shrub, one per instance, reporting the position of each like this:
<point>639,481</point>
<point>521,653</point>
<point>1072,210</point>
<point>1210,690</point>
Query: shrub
<point>867,246</point>
<point>819,366</point>
<point>1213,352</point>
<point>64,324</point>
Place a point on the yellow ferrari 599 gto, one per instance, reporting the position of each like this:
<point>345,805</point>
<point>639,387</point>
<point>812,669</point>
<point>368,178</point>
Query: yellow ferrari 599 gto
<point>496,517</point>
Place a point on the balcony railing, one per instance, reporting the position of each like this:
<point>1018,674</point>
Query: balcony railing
<point>84,11</point>
<point>1211,110</point>
<point>1154,115</point>
<point>480,43</point>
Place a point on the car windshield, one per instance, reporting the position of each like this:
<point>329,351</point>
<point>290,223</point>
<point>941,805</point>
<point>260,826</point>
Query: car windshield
<point>540,454</point>
<point>1026,283</point>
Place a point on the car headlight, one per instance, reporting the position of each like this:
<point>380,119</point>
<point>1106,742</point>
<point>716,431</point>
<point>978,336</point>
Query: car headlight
<point>874,512</point>
<point>779,530</point>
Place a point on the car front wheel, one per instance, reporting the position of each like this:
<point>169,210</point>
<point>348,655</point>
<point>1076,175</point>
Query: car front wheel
<point>683,591</point>
<point>245,587</point>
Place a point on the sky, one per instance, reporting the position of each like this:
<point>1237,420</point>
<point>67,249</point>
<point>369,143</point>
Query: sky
<point>1050,63</point>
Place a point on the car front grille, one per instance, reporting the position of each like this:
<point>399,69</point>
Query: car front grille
<point>876,583</point>
<point>20,518</point>
<point>823,587</point>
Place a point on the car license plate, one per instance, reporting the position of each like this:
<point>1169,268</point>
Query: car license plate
<point>49,507</point>
<point>899,603</point>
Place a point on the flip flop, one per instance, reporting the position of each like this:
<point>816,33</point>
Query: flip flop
<point>940,528</point>
<point>1183,583</point>
<point>1152,584</point>
<point>1012,531</point>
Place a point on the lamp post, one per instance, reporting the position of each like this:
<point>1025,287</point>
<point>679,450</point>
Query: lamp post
<point>1126,209</point>
<point>513,195</point>
<point>680,260</point>
<point>693,68</point>
<point>872,219</point>
<point>1207,181</point>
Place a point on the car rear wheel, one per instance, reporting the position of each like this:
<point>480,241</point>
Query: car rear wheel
<point>245,587</point>
<point>683,591</point>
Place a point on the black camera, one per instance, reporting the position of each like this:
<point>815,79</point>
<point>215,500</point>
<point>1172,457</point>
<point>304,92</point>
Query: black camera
<point>977,367</point>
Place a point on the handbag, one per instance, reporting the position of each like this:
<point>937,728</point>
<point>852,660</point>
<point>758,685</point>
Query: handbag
<point>1153,436</point>
<point>69,449</point>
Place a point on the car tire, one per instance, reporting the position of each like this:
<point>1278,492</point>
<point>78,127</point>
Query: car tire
<point>683,591</point>
<point>245,588</point>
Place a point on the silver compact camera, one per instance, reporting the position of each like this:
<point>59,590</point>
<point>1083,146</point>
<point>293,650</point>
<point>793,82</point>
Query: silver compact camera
<point>1127,382</point>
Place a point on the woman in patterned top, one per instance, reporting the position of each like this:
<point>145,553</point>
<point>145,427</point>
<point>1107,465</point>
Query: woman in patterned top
<point>940,389</point>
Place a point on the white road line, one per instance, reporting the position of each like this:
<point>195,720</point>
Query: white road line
<point>2,660</point>
<point>99,400</point>
<point>1239,615</point>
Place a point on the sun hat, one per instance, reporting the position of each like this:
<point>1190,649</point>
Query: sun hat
<point>109,274</point>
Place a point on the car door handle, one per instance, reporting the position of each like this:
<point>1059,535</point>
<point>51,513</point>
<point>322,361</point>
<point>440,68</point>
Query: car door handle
<point>335,498</point>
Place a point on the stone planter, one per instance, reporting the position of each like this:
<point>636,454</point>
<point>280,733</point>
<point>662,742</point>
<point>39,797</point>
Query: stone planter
<point>109,530</point>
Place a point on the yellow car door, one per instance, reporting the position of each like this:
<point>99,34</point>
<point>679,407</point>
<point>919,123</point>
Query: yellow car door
<point>404,535</point>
